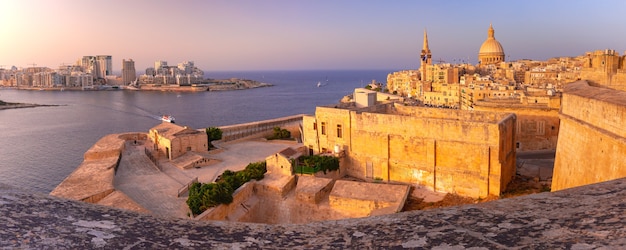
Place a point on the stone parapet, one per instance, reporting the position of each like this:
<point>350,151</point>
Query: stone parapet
<point>261,128</point>
<point>93,179</point>
<point>592,142</point>
<point>586,217</point>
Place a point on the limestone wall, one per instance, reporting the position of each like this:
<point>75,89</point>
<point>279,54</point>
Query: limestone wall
<point>222,211</point>
<point>592,139</point>
<point>262,128</point>
<point>92,181</point>
<point>536,128</point>
<point>469,153</point>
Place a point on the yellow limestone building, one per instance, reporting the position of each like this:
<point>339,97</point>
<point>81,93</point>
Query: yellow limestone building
<point>173,141</point>
<point>469,153</point>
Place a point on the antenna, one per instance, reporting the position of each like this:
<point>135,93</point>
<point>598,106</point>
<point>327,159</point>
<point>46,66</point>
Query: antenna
<point>32,64</point>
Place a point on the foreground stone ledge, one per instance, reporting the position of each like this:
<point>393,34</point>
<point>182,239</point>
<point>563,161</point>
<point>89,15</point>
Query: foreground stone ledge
<point>579,218</point>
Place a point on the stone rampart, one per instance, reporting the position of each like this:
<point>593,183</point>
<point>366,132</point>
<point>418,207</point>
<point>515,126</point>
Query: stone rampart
<point>262,128</point>
<point>537,126</point>
<point>470,153</point>
<point>592,140</point>
<point>588,217</point>
<point>93,179</point>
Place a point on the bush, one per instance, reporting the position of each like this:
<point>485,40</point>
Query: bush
<point>280,134</point>
<point>319,162</point>
<point>213,134</point>
<point>203,196</point>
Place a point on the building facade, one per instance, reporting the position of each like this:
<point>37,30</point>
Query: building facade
<point>128,71</point>
<point>467,153</point>
<point>172,140</point>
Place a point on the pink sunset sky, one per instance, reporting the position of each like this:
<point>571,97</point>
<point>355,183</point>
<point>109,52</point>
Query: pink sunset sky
<point>300,35</point>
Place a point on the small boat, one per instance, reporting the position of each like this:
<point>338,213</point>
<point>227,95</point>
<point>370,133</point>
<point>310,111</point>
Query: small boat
<point>167,118</point>
<point>320,84</point>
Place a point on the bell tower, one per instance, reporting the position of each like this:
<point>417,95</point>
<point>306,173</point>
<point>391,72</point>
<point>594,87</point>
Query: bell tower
<point>426,61</point>
<point>425,55</point>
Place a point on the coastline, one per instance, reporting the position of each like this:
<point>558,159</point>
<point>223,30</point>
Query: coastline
<point>10,105</point>
<point>208,85</point>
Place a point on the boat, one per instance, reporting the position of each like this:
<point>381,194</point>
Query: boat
<point>319,84</point>
<point>167,118</point>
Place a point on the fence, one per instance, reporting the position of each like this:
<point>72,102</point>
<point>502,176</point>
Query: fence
<point>186,187</point>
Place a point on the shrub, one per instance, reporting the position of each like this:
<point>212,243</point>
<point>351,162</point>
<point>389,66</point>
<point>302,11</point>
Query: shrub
<point>203,196</point>
<point>280,134</point>
<point>213,134</point>
<point>320,162</point>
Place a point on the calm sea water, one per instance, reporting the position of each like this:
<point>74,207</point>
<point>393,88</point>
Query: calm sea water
<point>40,146</point>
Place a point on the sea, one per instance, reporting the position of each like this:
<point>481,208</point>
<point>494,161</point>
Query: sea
<point>40,147</point>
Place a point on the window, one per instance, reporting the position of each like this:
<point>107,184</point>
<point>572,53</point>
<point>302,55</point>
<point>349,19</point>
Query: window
<point>339,134</point>
<point>315,126</point>
<point>323,128</point>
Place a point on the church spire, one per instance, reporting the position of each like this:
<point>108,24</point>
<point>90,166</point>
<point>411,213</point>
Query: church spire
<point>425,48</point>
<point>425,55</point>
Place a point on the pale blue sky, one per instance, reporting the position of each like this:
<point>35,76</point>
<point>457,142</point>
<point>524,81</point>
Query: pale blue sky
<point>294,35</point>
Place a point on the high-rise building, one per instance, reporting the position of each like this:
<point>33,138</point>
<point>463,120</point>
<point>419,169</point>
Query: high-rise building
<point>98,66</point>
<point>159,64</point>
<point>128,71</point>
<point>88,64</point>
<point>104,65</point>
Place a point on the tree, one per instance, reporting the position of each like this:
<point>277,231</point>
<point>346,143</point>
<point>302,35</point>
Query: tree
<point>213,134</point>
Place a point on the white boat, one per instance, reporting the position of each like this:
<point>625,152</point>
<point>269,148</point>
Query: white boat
<point>167,118</point>
<point>319,84</point>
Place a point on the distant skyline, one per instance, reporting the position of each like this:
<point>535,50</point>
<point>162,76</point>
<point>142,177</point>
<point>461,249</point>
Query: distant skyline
<point>300,35</point>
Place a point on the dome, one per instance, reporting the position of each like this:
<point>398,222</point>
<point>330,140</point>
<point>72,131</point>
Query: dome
<point>491,51</point>
<point>491,46</point>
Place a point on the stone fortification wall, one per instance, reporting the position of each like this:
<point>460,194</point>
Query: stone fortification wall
<point>360,199</point>
<point>611,80</point>
<point>588,217</point>
<point>465,152</point>
<point>222,211</point>
<point>592,140</point>
<point>537,128</point>
<point>93,179</point>
<point>262,128</point>
<point>473,159</point>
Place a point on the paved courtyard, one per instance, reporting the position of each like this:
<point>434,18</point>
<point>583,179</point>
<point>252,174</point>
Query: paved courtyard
<point>157,190</point>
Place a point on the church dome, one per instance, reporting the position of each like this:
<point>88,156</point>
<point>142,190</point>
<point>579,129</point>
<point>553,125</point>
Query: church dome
<point>491,46</point>
<point>491,51</point>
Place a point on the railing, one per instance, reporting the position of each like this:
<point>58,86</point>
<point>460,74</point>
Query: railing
<point>186,187</point>
<point>234,132</point>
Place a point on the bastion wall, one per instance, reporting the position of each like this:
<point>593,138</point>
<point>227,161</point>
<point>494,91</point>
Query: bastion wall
<point>537,128</point>
<point>468,153</point>
<point>592,140</point>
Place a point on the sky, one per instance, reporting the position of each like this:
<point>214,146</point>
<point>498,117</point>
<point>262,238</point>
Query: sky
<point>237,35</point>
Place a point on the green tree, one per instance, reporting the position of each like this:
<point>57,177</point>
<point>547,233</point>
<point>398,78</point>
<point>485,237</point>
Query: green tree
<point>213,134</point>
